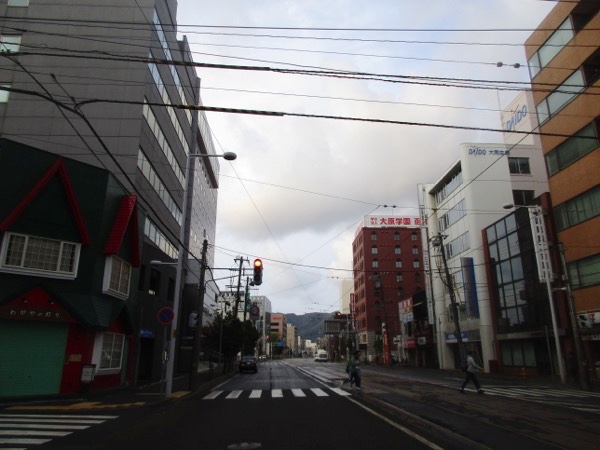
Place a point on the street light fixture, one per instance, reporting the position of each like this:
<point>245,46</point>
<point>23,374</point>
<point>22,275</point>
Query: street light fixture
<point>229,156</point>
<point>542,256</point>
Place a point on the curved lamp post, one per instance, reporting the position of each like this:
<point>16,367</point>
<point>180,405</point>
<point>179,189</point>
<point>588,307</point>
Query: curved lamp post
<point>229,156</point>
<point>542,257</point>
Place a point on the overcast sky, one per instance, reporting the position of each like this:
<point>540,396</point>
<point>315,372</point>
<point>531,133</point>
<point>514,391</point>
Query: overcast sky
<point>301,185</point>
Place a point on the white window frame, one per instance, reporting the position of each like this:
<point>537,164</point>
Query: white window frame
<point>103,357</point>
<point>4,95</point>
<point>114,269</point>
<point>48,273</point>
<point>10,43</point>
<point>18,3</point>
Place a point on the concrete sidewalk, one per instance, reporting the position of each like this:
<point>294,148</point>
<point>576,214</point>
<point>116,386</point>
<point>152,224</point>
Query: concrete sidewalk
<point>126,397</point>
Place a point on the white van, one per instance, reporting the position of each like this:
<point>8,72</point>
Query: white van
<point>321,356</point>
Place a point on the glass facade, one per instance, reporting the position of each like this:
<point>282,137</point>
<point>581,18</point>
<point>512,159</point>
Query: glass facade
<point>521,301</point>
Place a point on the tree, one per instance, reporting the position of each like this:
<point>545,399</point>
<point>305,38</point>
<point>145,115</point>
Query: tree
<point>228,335</point>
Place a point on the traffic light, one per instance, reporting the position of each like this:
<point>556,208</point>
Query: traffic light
<point>258,271</point>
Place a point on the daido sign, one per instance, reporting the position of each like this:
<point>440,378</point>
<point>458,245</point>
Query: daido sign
<point>517,116</point>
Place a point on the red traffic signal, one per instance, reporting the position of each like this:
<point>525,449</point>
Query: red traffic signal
<point>258,270</point>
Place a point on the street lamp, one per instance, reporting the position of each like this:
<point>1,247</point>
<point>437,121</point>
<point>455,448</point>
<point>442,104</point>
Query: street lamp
<point>229,156</point>
<point>542,257</point>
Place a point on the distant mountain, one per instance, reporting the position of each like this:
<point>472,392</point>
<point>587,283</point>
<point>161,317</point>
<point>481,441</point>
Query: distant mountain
<point>309,326</point>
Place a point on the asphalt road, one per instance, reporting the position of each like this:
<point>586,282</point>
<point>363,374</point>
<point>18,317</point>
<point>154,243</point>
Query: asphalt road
<point>297,404</point>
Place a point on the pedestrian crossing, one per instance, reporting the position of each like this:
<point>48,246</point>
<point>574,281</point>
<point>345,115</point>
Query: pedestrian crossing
<point>25,431</point>
<point>567,398</point>
<point>255,394</point>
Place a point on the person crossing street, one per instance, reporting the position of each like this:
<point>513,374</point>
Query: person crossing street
<point>470,370</point>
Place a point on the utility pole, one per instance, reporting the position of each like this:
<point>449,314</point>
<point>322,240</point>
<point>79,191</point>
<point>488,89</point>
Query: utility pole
<point>200,308</point>
<point>239,286</point>
<point>438,240</point>
<point>583,380</point>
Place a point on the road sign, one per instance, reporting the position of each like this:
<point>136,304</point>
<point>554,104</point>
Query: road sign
<point>165,315</point>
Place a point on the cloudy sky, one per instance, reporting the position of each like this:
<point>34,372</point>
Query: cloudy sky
<point>302,184</point>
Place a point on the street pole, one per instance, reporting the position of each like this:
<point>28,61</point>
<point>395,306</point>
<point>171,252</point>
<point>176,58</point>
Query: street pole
<point>540,245</point>
<point>200,308</point>
<point>239,285</point>
<point>457,333</point>
<point>574,325</point>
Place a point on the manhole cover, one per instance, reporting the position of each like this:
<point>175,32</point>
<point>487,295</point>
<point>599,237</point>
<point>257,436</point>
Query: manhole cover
<point>244,445</point>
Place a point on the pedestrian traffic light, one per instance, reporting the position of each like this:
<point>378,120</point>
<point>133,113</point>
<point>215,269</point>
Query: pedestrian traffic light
<point>258,271</point>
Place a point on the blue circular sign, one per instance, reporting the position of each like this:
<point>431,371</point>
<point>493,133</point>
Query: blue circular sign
<point>165,315</point>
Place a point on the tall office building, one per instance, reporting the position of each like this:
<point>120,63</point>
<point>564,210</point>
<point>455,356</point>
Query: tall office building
<point>388,268</point>
<point>563,55</point>
<point>105,84</point>
<point>468,197</point>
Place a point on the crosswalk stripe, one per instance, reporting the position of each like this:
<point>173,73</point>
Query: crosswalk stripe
<point>78,421</point>
<point>319,392</point>
<point>256,393</point>
<point>341,391</point>
<point>213,395</point>
<point>59,416</point>
<point>277,393</point>
<point>43,426</point>
<point>19,441</point>
<point>234,394</point>
<point>21,432</point>
<point>298,393</point>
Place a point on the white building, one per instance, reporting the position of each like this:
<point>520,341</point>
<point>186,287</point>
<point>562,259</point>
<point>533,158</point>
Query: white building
<point>263,322</point>
<point>346,291</point>
<point>468,197</point>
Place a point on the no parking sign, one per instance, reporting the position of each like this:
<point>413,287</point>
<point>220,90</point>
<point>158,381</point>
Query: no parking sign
<point>165,315</point>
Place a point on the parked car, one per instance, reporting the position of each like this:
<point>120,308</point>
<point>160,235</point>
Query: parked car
<point>248,364</point>
<point>322,357</point>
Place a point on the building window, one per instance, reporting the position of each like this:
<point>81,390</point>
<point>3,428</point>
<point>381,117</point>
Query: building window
<point>375,264</point>
<point>117,276</point>
<point>458,245</point>
<point>555,43</point>
<point>152,232</point>
<point>41,256</point>
<point>10,43</point>
<point>585,272</point>
<point>519,166</point>
<point>398,264</point>
<point>18,2</point>
<point>415,250</point>
<point>416,264</point>
<point>522,197</point>
<point>374,250</point>
<point>518,354</point>
<point>4,94</point>
<point>154,287</point>
<point>562,95</point>
<point>451,217</point>
<point>373,236</point>
<point>417,277</point>
<point>450,184</point>
<point>578,209</point>
<point>396,236</point>
<point>399,278</point>
<point>111,351</point>
<point>397,250</point>
<point>413,237</point>
<point>577,146</point>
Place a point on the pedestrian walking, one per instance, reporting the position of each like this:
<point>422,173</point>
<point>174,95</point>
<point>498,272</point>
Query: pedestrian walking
<point>354,369</point>
<point>349,378</point>
<point>470,370</point>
